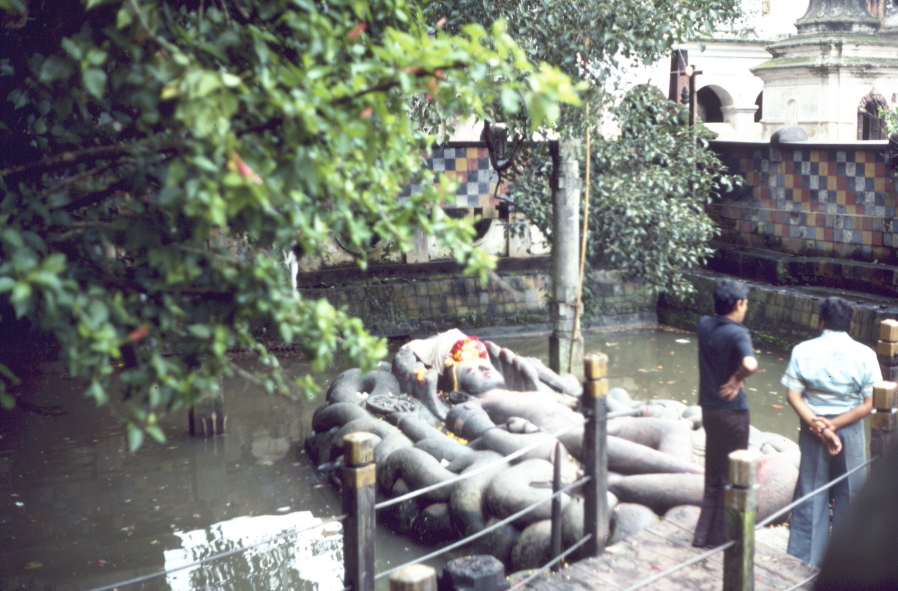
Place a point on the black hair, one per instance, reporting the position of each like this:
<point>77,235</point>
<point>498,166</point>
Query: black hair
<point>726,293</point>
<point>835,314</point>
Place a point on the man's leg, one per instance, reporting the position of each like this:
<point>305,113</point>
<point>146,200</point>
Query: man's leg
<point>809,529</point>
<point>725,432</point>
<point>854,453</point>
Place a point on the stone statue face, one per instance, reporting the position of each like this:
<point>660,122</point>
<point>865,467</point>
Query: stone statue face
<point>477,377</point>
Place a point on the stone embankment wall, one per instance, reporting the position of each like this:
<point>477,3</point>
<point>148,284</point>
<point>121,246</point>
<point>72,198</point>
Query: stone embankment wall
<point>780,316</point>
<point>416,300</point>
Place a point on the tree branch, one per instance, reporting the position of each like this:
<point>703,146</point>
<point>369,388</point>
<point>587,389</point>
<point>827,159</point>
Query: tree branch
<point>72,179</point>
<point>67,159</point>
<point>97,196</point>
<point>245,374</point>
<point>392,83</point>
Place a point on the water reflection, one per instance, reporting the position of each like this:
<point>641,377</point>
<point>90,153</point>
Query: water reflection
<point>77,511</point>
<point>663,363</point>
<point>310,560</point>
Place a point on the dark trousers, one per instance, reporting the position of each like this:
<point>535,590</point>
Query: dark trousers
<point>725,431</point>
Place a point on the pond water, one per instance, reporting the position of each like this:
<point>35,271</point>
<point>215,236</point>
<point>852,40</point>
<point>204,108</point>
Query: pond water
<point>78,512</point>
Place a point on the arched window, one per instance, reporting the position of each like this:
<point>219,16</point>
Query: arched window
<point>869,123</point>
<point>760,104</point>
<point>709,105</point>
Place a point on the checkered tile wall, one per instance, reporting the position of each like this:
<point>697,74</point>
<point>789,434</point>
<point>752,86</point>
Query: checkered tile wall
<point>468,164</point>
<point>832,201</point>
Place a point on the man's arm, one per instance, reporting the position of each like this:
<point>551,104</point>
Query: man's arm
<point>804,412</point>
<point>854,415</point>
<point>817,425</point>
<point>731,387</point>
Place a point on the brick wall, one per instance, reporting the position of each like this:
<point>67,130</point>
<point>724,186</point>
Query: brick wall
<point>832,200</point>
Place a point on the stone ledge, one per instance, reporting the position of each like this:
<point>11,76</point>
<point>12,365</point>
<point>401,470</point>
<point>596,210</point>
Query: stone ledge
<point>778,315</point>
<point>779,268</point>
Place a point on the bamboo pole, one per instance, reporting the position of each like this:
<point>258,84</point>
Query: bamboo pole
<point>576,334</point>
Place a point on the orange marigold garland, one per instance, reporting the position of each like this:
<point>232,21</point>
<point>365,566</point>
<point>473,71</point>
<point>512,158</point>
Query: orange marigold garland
<point>467,349</point>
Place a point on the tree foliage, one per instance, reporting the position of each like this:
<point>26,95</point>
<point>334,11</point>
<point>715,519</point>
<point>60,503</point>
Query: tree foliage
<point>649,188</point>
<point>158,158</point>
<point>649,183</point>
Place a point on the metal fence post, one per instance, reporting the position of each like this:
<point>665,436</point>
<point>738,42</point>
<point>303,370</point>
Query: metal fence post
<point>417,577</point>
<point>882,423</point>
<point>741,499</point>
<point>555,539</point>
<point>595,456</point>
<point>359,495</point>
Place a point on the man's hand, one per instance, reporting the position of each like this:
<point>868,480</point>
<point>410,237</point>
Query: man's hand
<point>729,389</point>
<point>832,441</point>
<point>819,424</point>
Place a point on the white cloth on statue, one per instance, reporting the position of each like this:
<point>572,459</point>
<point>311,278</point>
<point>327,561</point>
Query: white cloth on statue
<point>434,351</point>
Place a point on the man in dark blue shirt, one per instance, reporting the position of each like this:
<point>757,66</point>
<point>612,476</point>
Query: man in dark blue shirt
<point>725,359</point>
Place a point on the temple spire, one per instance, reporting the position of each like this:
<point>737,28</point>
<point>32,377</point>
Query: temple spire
<point>824,16</point>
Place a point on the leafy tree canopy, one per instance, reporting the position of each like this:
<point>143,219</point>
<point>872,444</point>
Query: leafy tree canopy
<point>652,178</point>
<point>157,158</point>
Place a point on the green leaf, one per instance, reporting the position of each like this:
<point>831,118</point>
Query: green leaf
<point>9,375</point>
<point>6,401</point>
<point>202,331</point>
<point>124,17</point>
<point>55,68</point>
<point>94,80</point>
<point>156,433</point>
<point>135,437</point>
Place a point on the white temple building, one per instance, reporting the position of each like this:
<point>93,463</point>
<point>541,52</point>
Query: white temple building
<point>786,63</point>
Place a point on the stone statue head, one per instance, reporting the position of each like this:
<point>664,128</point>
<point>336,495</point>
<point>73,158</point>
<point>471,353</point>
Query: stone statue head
<point>477,377</point>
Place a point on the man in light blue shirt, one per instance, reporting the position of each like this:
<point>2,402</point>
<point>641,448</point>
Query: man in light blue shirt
<point>829,383</point>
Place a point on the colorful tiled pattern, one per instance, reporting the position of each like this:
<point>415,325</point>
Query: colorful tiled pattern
<point>817,200</point>
<point>467,164</point>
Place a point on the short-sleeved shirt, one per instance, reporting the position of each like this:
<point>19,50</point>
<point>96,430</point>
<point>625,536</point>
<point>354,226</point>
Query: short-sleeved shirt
<point>722,345</point>
<point>833,372</point>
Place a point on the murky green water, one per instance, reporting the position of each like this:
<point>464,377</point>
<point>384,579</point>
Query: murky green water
<point>663,363</point>
<point>78,512</point>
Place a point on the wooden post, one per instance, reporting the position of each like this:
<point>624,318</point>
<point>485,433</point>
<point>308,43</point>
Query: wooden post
<point>887,349</point>
<point>359,495</point>
<point>882,423</point>
<point>207,418</point>
<point>595,453</point>
<point>741,499</point>
<point>417,577</point>
<point>555,543</point>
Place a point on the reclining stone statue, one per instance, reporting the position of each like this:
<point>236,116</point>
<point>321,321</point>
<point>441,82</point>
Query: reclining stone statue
<point>452,404</point>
